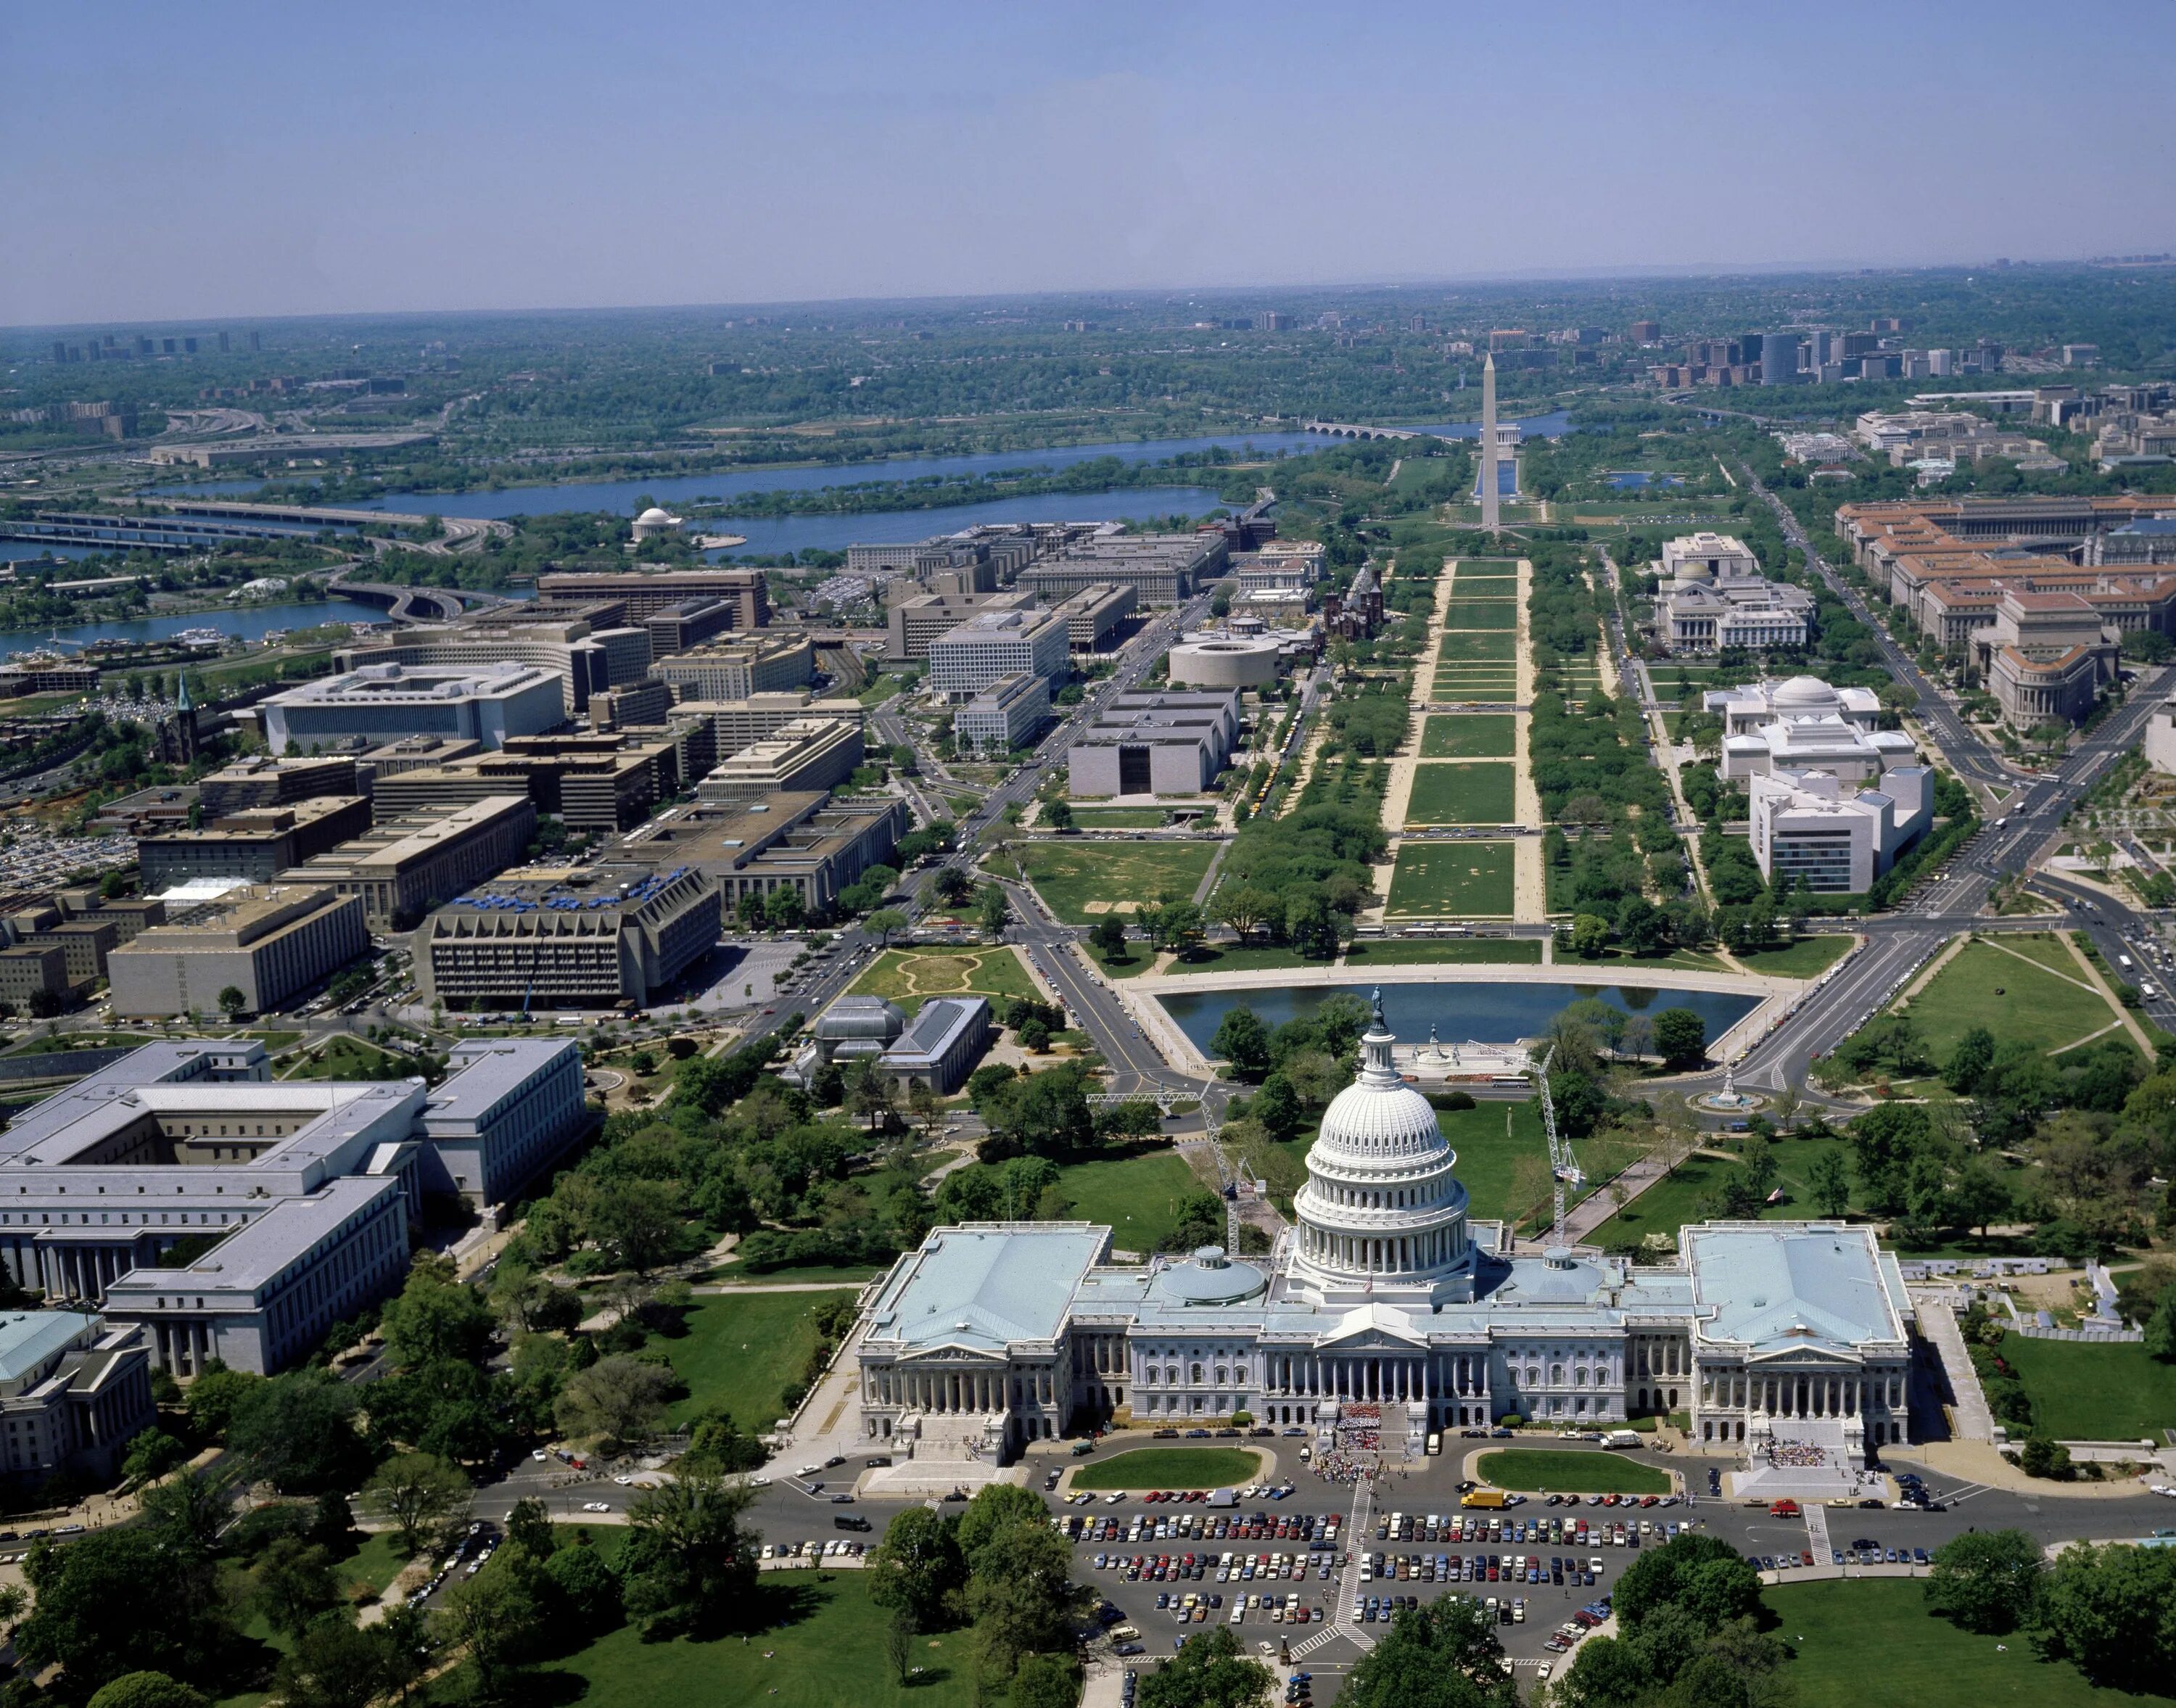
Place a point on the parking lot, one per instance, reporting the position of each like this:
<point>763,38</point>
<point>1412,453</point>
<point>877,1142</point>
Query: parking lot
<point>1305,1552</point>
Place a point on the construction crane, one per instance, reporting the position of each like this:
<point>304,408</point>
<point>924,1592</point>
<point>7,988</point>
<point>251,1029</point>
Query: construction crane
<point>1564,1167</point>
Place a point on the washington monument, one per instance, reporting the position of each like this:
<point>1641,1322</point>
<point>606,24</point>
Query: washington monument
<point>1490,479</point>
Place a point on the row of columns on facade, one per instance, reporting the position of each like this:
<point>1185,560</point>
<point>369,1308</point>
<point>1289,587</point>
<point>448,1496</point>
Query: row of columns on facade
<point>1388,1255</point>
<point>957,1390</point>
<point>1798,1396</point>
<point>81,1272</point>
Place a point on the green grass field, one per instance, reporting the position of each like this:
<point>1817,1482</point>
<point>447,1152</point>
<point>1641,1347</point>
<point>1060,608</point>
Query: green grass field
<point>909,976</point>
<point>1666,1206</point>
<point>731,1274</point>
<point>1449,951</point>
<point>1137,1196</point>
<point>2087,1392</point>
<point>1473,736</point>
<point>1834,1628</point>
<point>1479,648</point>
<point>739,1353</point>
<point>1808,958</point>
<point>1534,1470</point>
<point>2014,997</point>
<point>1463,880</point>
<point>1081,881</point>
<point>818,1641</point>
<point>1464,689</point>
<point>349,1058</point>
<point>1172,1467</point>
<point>1240,958</point>
<point>1447,793</point>
<point>1482,613</point>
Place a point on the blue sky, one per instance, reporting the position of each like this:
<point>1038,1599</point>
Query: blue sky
<point>223,158</point>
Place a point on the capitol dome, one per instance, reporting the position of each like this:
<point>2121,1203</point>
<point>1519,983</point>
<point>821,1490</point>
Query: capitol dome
<point>1382,1214</point>
<point>1805,696</point>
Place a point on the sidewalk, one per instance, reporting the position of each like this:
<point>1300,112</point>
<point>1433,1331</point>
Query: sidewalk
<point>1969,1416</point>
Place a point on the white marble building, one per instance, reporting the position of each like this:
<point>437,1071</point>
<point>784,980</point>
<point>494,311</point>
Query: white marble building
<point>1386,1306</point>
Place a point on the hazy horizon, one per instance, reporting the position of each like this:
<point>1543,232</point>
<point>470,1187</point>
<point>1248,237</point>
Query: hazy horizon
<point>235,161</point>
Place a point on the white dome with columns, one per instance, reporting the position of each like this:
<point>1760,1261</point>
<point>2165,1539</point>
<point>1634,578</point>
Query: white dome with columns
<point>1382,1214</point>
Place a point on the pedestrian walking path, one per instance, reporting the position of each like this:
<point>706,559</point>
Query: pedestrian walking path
<point>1970,1420</point>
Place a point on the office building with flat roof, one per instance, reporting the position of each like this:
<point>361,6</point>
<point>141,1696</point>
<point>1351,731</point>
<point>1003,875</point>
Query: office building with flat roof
<point>595,781</point>
<point>1003,716</point>
<point>993,644</point>
<point>686,625</point>
<point>912,625</point>
<point>734,670</point>
<point>503,1113</point>
<point>1094,615</point>
<point>254,844</point>
<point>1837,838</point>
<point>1162,569</point>
<point>270,943</point>
<point>240,1217</point>
<point>647,591</point>
<point>590,938</point>
<point>735,723</point>
<point>752,850</point>
<point>262,781</point>
<point>1155,744</point>
<point>378,703</point>
<point>807,753</point>
<point>411,753</point>
<point>585,657</point>
<point>410,862</point>
<point>74,1390</point>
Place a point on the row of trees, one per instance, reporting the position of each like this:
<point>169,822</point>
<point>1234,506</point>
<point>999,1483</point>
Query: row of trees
<point>2106,1609</point>
<point>997,1568</point>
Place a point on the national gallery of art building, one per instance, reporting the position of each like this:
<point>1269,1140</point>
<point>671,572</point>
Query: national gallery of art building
<point>1384,1312</point>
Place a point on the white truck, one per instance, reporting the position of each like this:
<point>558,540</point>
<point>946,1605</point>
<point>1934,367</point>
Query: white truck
<point>1624,1438</point>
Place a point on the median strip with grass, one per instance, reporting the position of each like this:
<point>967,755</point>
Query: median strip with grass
<point>1541,1470</point>
<point>1173,1467</point>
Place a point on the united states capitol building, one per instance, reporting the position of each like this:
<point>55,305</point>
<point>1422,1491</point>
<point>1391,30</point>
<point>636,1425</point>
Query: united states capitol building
<point>1387,1306</point>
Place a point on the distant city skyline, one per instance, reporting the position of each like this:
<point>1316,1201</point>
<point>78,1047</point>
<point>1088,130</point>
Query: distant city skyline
<point>233,159</point>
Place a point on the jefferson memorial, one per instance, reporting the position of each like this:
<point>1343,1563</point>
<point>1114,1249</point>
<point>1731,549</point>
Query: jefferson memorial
<point>1385,1312</point>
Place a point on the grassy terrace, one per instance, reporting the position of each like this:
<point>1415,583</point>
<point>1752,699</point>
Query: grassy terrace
<point>909,976</point>
<point>1240,958</point>
<point>1534,1470</point>
<point>1082,881</point>
<point>1808,958</point>
<point>1460,880</point>
<point>821,1643</point>
<point>740,1353</point>
<point>2082,1391</point>
<point>1484,951</point>
<point>1479,649</point>
<point>1834,1628</point>
<point>2019,997</point>
<point>1172,1467</point>
<point>1469,736</point>
<point>1136,1196</point>
<point>1449,793</point>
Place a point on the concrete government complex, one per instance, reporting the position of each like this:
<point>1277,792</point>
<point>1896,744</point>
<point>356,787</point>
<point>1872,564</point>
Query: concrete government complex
<point>229,1215</point>
<point>1384,1305</point>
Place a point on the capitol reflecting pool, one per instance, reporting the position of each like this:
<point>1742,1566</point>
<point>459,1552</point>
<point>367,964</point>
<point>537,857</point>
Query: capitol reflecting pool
<point>1487,1013</point>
